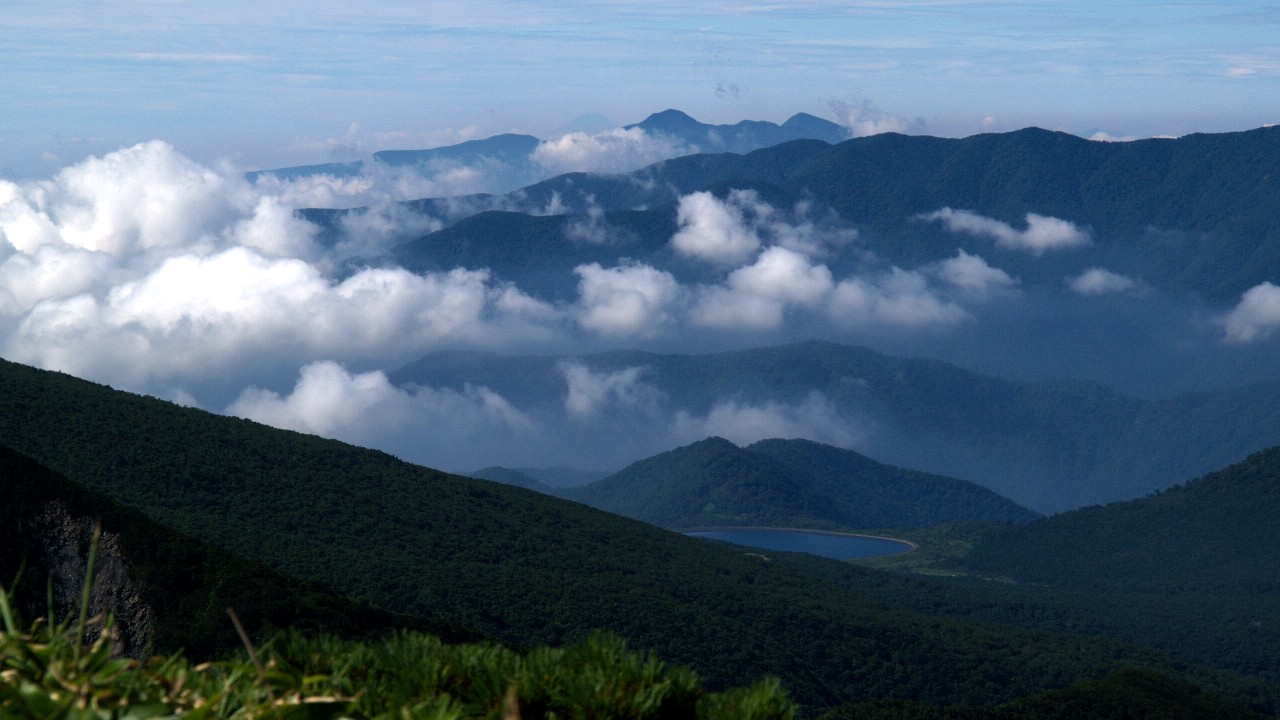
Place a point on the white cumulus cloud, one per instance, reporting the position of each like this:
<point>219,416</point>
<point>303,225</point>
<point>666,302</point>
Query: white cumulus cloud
<point>729,232</point>
<point>146,270</point>
<point>1042,234</point>
<point>626,300</point>
<point>442,427</point>
<point>757,295</point>
<point>612,151</point>
<point>1100,281</point>
<point>971,274</point>
<point>1256,316</point>
<point>902,298</point>
<point>713,230</point>
<point>863,120</point>
<point>132,203</point>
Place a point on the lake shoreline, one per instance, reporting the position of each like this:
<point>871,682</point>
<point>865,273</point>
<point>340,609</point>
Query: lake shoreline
<point>910,546</point>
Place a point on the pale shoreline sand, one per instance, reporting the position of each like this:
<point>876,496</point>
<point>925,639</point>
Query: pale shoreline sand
<point>726,528</point>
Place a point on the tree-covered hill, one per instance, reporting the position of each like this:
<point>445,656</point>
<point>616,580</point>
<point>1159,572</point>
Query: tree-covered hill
<point>788,483</point>
<point>518,566</point>
<point>1049,446</point>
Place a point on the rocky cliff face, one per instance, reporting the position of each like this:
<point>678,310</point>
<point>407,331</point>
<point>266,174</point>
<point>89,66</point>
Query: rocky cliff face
<point>64,543</point>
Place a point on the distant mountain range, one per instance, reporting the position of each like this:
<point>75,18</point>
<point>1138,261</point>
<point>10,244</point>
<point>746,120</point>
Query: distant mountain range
<point>742,137</point>
<point>1163,238</point>
<point>510,156</point>
<point>1192,215</point>
<point>1049,446</point>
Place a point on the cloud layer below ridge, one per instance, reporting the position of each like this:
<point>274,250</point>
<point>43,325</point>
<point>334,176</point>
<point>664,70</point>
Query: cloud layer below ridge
<point>156,274</point>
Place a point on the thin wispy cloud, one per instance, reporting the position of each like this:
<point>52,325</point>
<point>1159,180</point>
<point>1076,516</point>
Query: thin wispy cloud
<point>1098,281</point>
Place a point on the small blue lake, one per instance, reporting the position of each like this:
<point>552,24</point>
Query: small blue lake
<point>839,546</point>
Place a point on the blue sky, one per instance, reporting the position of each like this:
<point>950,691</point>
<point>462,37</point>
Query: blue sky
<point>265,84</point>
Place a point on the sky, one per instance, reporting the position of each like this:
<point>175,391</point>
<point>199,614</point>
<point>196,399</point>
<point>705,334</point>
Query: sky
<point>273,84</point>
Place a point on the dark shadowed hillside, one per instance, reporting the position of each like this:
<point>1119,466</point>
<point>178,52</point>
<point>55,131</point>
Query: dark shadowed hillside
<point>168,591</point>
<point>1125,695</point>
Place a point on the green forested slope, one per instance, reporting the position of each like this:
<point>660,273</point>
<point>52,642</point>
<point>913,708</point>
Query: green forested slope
<point>788,483</point>
<point>516,565</point>
<point>1193,569</point>
<point>1221,530</point>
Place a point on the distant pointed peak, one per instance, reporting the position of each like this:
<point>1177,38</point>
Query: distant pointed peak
<point>804,118</point>
<point>668,115</point>
<point>715,441</point>
<point>669,119</point>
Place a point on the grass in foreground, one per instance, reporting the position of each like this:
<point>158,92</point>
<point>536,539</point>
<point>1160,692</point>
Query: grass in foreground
<point>48,671</point>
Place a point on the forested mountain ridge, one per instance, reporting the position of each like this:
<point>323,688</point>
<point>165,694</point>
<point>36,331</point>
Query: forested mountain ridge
<point>519,566</point>
<point>1049,446</point>
<point>1191,215</point>
<point>788,483</point>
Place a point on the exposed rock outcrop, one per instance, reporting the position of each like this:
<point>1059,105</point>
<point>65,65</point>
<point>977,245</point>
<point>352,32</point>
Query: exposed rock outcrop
<point>64,543</point>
